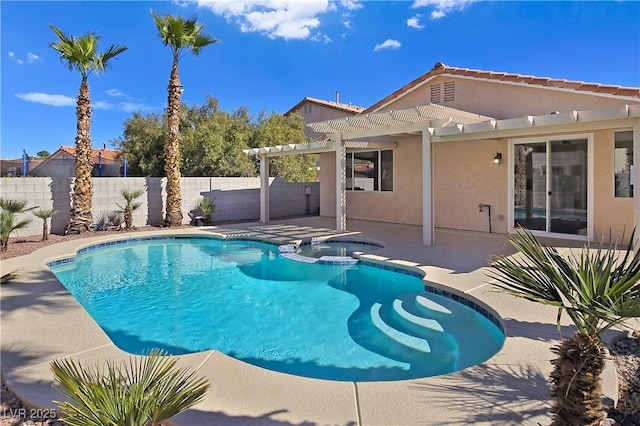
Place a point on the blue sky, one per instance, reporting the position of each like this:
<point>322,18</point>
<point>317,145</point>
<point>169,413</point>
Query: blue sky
<point>273,53</point>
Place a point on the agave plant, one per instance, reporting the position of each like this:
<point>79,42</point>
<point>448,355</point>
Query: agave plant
<point>598,289</point>
<point>141,392</point>
<point>45,213</point>
<point>10,221</point>
<point>130,205</point>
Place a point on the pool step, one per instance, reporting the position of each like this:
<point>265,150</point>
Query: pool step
<point>427,323</point>
<point>429,306</point>
<point>397,335</point>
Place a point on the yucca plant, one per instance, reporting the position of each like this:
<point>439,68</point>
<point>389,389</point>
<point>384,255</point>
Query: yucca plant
<point>207,205</point>
<point>130,205</point>
<point>598,289</point>
<point>141,392</point>
<point>45,213</point>
<point>10,220</point>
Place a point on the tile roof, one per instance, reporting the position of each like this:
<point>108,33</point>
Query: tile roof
<point>440,68</point>
<point>354,109</point>
<point>108,155</point>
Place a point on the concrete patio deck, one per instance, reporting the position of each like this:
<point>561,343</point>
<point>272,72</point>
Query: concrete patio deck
<point>42,321</point>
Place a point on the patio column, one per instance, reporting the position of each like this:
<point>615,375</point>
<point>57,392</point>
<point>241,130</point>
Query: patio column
<point>341,182</point>
<point>636,176</point>
<point>264,189</point>
<point>427,189</point>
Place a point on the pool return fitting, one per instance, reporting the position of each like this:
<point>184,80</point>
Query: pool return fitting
<point>488,207</point>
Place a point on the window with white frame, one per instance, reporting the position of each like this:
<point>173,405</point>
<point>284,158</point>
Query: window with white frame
<point>623,164</point>
<point>370,170</point>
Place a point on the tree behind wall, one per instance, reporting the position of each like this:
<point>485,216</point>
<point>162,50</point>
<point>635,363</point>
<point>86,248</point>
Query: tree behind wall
<point>277,129</point>
<point>81,54</point>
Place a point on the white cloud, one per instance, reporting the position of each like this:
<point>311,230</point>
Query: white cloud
<point>13,58</point>
<point>287,19</point>
<point>47,99</point>
<point>32,57</point>
<point>65,101</point>
<point>128,107</point>
<point>414,22</point>
<point>322,37</point>
<point>442,7</point>
<point>118,94</point>
<point>347,24</point>
<point>351,4</point>
<point>388,44</point>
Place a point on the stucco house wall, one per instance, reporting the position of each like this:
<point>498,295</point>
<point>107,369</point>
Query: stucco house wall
<point>62,165</point>
<point>464,174</point>
<point>611,214</point>
<point>402,205</point>
<point>312,110</point>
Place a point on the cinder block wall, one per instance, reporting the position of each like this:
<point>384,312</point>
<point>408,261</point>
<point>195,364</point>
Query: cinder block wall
<point>107,194</point>
<point>38,193</point>
<point>236,199</point>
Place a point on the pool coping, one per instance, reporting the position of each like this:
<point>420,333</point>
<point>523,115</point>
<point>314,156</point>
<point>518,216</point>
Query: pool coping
<point>235,400</point>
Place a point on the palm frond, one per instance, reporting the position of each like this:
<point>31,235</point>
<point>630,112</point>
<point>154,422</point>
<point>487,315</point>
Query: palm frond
<point>181,33</point>
<point>143,391</point>
<point>598,289</point>
<point>81,53</point>
<point>45,212</point>
<point>14,206</point>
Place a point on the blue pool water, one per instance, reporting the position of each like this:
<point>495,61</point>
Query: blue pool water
<point>242,298</point>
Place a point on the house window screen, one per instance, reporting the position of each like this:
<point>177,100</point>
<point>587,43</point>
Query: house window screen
<point>623,164</point>
<point>369,171</point>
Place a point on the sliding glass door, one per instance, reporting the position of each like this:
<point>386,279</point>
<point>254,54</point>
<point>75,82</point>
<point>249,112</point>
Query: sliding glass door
<point>550,183</point>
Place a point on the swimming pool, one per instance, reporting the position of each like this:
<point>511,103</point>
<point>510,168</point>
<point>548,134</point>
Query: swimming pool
<point>336,322</point>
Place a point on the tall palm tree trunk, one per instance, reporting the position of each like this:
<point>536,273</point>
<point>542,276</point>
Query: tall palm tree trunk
<point>576,382</point>
<point>172,149</point>
<point>83,190</point>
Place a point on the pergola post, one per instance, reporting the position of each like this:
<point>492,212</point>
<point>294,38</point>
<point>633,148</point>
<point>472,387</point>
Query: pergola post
<point>264,189</point>
<point>341,183</point>
<point>427,189</point>
<point>635,173</point>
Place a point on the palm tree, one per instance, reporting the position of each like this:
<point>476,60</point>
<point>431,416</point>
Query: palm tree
<point>45,214</point>
<point>598,289</point>
<point>80,53</point>
<point>9,219</point>
<point>130,205</point>
<point>143,392</point>
<point>181,35</point>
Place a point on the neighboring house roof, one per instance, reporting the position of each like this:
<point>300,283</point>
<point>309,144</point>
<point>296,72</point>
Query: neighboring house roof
<point>108,155</point>
<point>5,165</point>
<point>442,69</point>
<point>354,109</point>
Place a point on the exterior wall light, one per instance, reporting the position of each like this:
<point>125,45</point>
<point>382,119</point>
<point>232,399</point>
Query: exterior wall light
<point>498,158</point>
